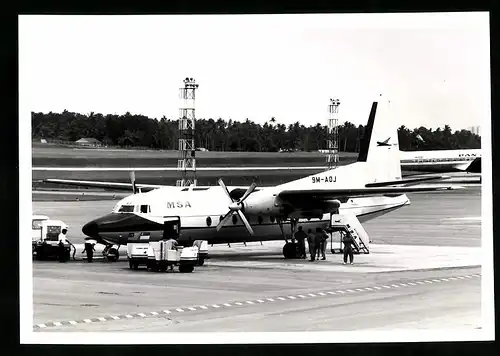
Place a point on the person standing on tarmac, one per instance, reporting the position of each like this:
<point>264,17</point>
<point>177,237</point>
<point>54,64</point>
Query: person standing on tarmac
<point>348,251</point>
<point>89,248</point>
<point>301,236</point>
<point>310,243</point>
<point>171,244</point>
<point>322,246</point>
<point>62,241</point>
<point>318,242</point>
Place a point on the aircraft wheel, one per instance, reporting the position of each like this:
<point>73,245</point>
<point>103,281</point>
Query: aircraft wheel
<point>201,262</point>
<point>289,250</point>
<point>130,264</point>
<point>112,255</point>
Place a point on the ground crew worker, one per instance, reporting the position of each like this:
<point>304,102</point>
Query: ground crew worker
<point>301,236</point>
<point>322,246</point>
<point>89,248</point>
<point>348,251</point>
<point>310,243</point>
<point>62,241</point>
<point>318,241</point>
<point>171,244</point>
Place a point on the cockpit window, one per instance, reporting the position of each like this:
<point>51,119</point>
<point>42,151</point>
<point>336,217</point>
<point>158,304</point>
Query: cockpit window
<point>126,209</point>
<point>145,209</point>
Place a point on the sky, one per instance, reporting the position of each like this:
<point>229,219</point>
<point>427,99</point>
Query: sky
<point>434,68</point>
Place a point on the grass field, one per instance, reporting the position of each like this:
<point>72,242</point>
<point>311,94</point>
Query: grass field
<point>54,156</point>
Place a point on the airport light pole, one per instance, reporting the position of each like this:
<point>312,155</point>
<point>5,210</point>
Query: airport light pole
<point>187,161</point>
<point>332,158</point>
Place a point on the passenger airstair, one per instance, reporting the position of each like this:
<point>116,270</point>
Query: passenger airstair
<point>349,224</point>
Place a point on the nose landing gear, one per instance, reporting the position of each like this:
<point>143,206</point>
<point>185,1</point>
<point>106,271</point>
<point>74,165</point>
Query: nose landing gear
<point>111,253</point>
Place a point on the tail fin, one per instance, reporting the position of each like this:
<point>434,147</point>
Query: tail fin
<point>378,159</point>
<point>379,147</point>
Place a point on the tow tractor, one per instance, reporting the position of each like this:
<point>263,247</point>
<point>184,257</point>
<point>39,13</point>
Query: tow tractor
<point>47,247</point>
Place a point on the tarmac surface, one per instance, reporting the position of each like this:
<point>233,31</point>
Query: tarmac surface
<point>423,272</point>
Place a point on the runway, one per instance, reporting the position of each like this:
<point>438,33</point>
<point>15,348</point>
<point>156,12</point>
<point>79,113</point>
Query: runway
<point>423,272</point>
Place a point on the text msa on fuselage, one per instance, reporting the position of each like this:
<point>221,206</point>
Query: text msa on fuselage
<point>324,179</point>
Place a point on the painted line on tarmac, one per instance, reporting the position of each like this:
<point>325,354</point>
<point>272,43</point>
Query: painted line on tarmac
<point>177,311</point>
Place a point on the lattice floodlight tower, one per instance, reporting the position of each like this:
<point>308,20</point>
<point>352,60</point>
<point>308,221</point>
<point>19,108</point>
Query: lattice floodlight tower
<point>332,139</point>
<point>187,162</point>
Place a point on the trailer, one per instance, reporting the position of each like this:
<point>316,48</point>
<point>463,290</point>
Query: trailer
<point>162,255</point>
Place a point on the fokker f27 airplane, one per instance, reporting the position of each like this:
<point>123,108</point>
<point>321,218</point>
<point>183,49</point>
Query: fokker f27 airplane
<point>368,188</point>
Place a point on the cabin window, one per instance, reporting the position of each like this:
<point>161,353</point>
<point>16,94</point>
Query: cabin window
<point>126,209</point>
<point>209,221</point>
<point>145,209</point>
<point>36,224</point>
<point>235,219</point>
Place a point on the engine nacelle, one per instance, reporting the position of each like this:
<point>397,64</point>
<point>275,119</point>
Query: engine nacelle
<point>331,205</point>
<point>263,204</point>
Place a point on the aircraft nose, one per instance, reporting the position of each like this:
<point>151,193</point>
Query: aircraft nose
<point>91,229</point>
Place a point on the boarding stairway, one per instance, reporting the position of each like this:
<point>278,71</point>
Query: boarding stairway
<point>350,225</point>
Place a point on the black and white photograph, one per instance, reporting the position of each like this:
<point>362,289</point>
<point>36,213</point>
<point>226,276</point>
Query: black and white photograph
<point>251,178</point>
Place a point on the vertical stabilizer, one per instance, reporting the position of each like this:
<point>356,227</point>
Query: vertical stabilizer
<point>379,148</point>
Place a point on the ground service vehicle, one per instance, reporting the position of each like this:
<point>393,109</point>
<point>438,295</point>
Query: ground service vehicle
<point>36,227</point>
<point>161,256</point>
<point>47,246</point>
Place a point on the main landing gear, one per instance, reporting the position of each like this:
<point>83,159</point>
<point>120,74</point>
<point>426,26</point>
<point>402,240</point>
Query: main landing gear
<point>110,252</point>
<point>291,249</point>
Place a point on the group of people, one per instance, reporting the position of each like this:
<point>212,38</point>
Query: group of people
<point>317,244</point>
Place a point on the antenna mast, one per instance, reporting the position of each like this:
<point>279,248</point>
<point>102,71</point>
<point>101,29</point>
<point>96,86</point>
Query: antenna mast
<point>187,162</point>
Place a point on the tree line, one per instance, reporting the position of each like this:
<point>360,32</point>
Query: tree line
<point>220,135</point>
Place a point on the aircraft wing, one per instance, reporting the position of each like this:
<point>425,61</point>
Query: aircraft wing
<point>341,194</point>
<point>109,185</point>
<point>149,169</point>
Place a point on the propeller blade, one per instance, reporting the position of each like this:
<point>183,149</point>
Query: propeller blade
<point>224,219</point>
<point>248,192</point>
<point>132,179</point>
<point>245,221</point>
<point>221,183</point>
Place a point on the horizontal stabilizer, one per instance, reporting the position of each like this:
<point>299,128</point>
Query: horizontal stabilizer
<point>405,181</point>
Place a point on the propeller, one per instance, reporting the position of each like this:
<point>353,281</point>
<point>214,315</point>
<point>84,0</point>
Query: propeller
<point>236,206</point>
<point>132,179</point>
